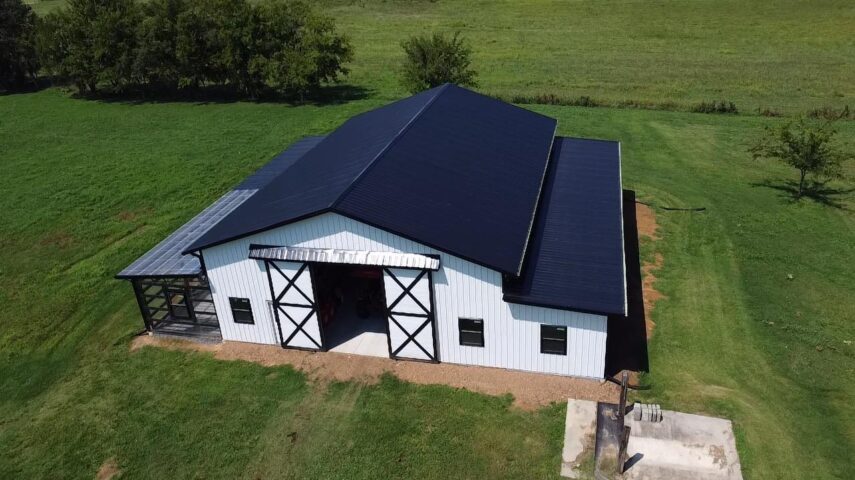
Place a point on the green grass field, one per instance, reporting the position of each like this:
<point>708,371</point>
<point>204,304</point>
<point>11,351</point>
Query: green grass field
<point>790,56</point>
<point>87,186</point>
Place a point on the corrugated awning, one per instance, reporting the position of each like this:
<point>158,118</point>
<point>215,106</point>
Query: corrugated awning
<point>349,257</point>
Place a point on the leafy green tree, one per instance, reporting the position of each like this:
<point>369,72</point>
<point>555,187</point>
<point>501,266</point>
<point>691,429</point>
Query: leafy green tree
<point>432,60</point>
<point>91,42</point>
<point>18,62</point>
<point>298,48</point>
<point>214,44</point>
<point>233,37</point>
<point>808,147</point>
<point>194,45</point>
<point>156,61</point>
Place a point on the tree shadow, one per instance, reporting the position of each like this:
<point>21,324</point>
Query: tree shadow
<point>34,86</point>
<point>818,192</point>
<point>322,96</point>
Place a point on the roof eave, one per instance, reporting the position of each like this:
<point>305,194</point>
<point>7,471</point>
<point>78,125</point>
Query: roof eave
<point>511,298</point>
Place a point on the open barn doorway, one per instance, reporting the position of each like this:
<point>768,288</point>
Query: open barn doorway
<point>352,308</point>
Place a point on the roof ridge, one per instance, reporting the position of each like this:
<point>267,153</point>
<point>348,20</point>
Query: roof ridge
<point>401,132</point>
<point>539,201</point>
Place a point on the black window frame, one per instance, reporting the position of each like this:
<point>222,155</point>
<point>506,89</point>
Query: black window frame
<point>550,333</point>
<point>235,310</point>
<point>461,331</point>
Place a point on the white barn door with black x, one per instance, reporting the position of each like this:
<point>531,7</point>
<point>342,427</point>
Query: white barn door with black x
<point>294,306</point>
<point>410,313</point>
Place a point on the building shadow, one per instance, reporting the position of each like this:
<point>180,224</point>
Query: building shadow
<point>626,343</point>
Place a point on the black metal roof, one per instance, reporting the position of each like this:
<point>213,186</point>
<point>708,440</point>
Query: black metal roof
<point>166,258</point>
<point>448,168</point>
<point>575,258</point>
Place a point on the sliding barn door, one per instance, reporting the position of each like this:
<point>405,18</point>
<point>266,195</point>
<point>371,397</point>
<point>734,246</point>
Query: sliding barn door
<point>410,313</point>
<point>294,304</point>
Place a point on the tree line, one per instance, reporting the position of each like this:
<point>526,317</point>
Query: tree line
<point>286,48</point>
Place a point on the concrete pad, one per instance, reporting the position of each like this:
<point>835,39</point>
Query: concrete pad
<point>682,446</point>
<point>372,344</point>
<point>580,429</point>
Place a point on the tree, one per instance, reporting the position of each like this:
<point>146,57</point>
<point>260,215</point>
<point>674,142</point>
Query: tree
<point>215,40</point>
<point>91,42</point>
<point>298,48</point>
<point>432,60</point>
<point>181,43</point>
<point>233,39</point>
<point>155,61</point>
<point>805,146</point>
<point>194,45</point>
<point>18,62</point>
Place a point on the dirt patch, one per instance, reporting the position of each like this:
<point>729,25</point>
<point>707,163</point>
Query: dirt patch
<point>126,215</point>
<point>109,469</point>
<point>130,216</point>
<point>60,239</point>
<point>651,295</point>
<point>649,229</point>
<point>645,219</point>
<point>530,390</point>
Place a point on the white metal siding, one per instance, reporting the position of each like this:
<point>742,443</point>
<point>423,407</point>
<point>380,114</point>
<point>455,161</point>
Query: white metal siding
<point>461,289</point>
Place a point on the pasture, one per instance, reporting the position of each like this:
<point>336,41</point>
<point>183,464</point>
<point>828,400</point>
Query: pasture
<point>755,324</point>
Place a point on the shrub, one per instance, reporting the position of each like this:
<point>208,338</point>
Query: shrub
<point>18,62</point>
<point>432,60</point>
<point>553,99</point>
<point>831,113</point>
<point>721,106</point>
<point>768,112</point>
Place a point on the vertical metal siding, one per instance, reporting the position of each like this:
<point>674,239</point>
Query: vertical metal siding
<point>461,289</point>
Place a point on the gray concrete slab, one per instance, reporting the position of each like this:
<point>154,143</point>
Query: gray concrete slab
<point>682,446</point>
<point>579,434</point>
<point>348,333</point>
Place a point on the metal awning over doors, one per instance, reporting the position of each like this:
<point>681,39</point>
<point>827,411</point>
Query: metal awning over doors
<point>349,257</point>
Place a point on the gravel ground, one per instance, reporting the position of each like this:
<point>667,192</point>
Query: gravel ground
<point>530,390</point>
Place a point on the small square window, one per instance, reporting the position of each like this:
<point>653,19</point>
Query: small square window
<point>471,331</point>
<point>553,339</point>
<point>241,310</point>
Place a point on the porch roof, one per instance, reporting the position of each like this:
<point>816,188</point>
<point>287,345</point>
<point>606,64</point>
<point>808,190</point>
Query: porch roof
<point>166,259</point>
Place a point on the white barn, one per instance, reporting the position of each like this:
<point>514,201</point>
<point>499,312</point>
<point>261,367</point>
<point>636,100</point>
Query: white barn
<point>445,227</point>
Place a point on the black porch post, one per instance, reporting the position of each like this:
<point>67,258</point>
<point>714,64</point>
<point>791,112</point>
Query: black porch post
<point>143,310</point>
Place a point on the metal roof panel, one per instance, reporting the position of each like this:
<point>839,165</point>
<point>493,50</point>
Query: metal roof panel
<point>449,168</point>
<point>576,258</point>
